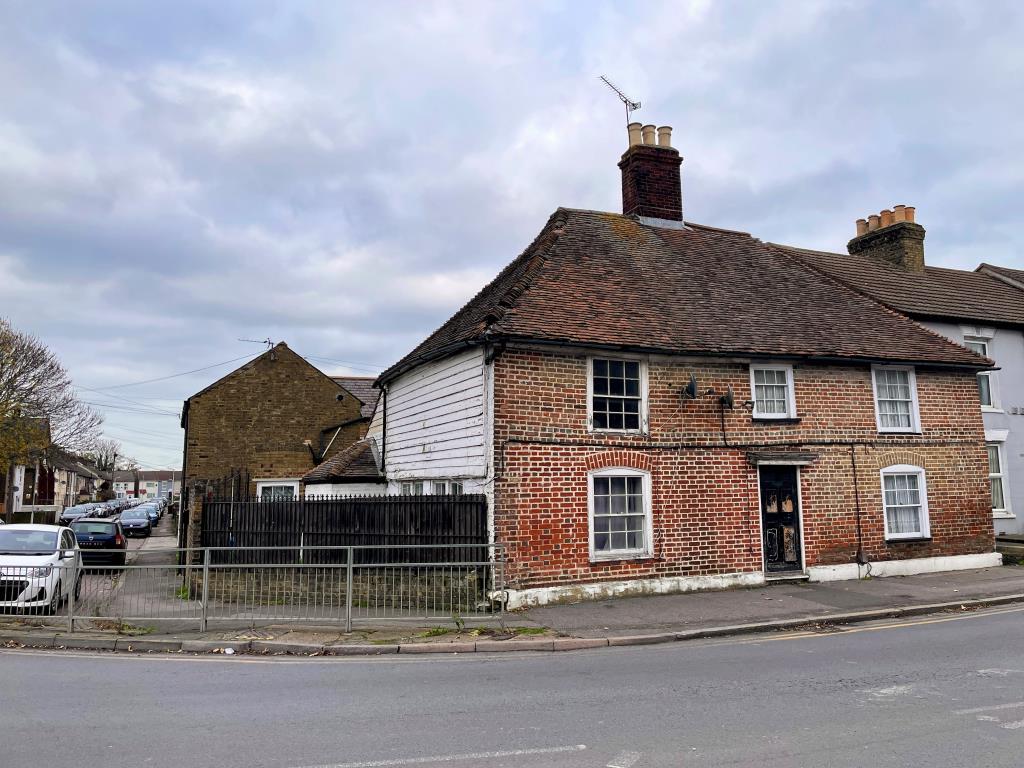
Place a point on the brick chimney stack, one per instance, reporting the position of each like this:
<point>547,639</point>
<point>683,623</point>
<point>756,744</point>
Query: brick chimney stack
<point>891,236</point>
<point>651,179</point>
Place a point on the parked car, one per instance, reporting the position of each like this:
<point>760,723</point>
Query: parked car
<point>70,514</point>
<point>153,512</point>
<point>40,566</point>
<point>136,522</point>
<point>101,541</point>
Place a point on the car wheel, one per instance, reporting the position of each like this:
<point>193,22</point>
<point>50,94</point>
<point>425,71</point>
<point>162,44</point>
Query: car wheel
<point>54,605</point>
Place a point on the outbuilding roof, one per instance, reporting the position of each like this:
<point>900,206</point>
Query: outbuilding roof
<point>607,280</point>
<point>354,464</point>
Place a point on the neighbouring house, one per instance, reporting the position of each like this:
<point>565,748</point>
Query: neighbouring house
<point>653,405</point>
<point>147,483</point>
<point>25,474</point>
<point>275,418</point>
<point>981,309</point>
<point>67,479</point>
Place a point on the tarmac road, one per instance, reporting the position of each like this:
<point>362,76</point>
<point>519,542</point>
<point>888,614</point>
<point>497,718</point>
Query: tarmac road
<point>939,691</point>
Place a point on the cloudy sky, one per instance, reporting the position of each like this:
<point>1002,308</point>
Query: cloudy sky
<point>176,176</point>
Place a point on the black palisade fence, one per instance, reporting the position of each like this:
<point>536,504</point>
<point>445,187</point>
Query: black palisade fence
<point>291,526</point>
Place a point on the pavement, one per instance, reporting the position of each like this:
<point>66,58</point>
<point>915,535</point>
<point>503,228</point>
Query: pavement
<point>941,691</point>
<point>777,602</point>
<point>588,624</point>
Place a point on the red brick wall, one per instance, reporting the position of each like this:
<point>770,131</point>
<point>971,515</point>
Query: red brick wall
<point>705,499</point>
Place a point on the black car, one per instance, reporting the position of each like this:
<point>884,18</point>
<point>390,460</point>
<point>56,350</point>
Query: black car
<point>71,514</point>
<point>100,541</point>
<point>135,522</point>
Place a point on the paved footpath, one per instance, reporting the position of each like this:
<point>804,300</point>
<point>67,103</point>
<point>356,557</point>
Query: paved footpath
<point>701,610</point>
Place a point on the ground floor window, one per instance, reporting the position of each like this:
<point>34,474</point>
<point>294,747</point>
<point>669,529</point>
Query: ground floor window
<point>412,488</point>
<point>447,487</point>
<point>905,502</point>
<point>277,490</point>
<point>620,513</point>
<point>997,480</point>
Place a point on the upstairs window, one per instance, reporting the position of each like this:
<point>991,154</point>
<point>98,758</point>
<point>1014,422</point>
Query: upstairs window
<point>772,388</point>
<point>896,399</point>
<point>617,391</point>
<point>984,377</point>
<point>905,502</point>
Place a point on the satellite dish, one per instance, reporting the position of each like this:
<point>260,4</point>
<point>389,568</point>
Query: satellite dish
<point>690,390</point>
<point>728,399</point>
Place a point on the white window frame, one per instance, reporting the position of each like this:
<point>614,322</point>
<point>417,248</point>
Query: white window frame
<point>621,554</point>
<point>993,393</point>
<point>447,487</point>
<point>408,488</point>
<point>273,482</point>
<point>915,410</point>
<point>790,391</point>
<point>643,395</point>
<point>1006,512</point>
<point>925,531</point>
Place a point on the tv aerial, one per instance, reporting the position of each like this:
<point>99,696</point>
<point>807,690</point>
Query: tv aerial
<point>268,342</point>
<point>631,106</point>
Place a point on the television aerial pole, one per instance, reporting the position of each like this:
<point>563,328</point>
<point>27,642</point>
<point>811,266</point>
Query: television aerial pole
<point>631,106</point>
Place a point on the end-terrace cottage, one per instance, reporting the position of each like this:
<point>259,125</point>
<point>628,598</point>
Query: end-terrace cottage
<point>981,309</point>
<point>653,405</point>
<point>274,418</point>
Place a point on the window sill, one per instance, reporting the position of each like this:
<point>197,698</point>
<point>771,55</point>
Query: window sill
<point>619,557</point>
<point>636,432</point>
<point>899,432</point>
<point>772,420</point>
<point>1003,516</point>
<point>909,540</point>
<point>991,409</point>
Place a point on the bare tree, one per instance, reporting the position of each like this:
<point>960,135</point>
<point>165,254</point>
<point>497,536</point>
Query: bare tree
<point>104,452</point>
<point>36,390</point>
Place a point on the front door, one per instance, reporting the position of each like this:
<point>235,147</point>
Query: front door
<point>780,519</point>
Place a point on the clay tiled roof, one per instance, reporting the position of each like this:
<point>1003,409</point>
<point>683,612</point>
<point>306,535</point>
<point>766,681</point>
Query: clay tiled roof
<point>362,388</point>
<point>1014,277</point>
<point>937,292</point>
<point>355,463</point>
<point>602,279</point>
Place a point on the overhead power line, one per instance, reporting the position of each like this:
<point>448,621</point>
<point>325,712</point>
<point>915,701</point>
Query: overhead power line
<point>176,375</point>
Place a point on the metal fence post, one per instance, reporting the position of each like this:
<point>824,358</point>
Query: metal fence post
<point>348,589</point>
<point>71,601</point>
<point>206,588</point>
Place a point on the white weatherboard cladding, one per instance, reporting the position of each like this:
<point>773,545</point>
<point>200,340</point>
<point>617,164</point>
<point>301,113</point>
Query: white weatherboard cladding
<point>435,420</point>
<point>347,489</point>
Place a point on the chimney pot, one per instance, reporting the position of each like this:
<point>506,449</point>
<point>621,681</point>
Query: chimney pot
<point>899,213</point>
<point>872,222</point>
<point>862,226</point>
<point>910,213</point>
<point>634,134</point>
<point>648,134</point>
<point>893,238</point>
<point>886,218</point>
<point>665,136</point>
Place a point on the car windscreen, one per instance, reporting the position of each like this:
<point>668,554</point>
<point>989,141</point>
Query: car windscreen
<point>134,514</point>
<point>102,529</point>
<point>27,542</point>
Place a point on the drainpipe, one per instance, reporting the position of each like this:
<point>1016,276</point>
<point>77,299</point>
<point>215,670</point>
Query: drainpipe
<point>861,557</point>
<point>384,434</point>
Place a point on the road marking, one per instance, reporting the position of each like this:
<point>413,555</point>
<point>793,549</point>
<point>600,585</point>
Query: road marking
<point>624,760</point>
<point>995,708</point>
<point>1012,726</point>
<point>455,758</point>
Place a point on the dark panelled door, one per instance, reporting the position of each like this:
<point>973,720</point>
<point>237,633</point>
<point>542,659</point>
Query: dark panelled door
<point>780,519</point>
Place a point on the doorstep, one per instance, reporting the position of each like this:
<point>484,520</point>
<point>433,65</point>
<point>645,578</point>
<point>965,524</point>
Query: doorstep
<point>786,577</point>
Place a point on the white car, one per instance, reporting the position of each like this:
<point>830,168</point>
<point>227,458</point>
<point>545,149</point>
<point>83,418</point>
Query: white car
<point>40,565</point>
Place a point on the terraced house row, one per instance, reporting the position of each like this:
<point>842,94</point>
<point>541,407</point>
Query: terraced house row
<point>651,404</point>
